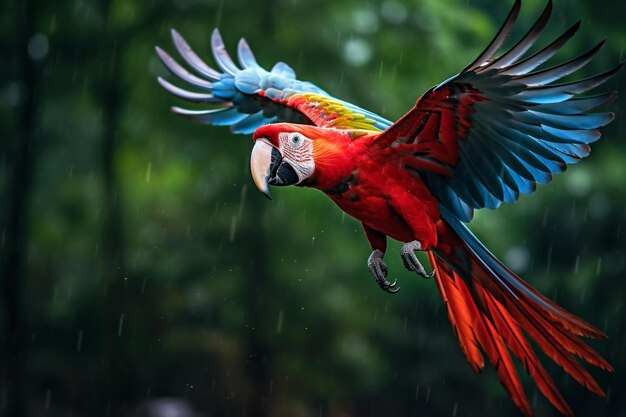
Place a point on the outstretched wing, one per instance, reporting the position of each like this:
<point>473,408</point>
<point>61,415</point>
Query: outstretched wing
<point>499,127</point>
<point>248,97</point>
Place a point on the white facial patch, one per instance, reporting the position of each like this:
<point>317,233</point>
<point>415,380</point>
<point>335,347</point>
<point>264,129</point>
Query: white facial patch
<point>297,149</point>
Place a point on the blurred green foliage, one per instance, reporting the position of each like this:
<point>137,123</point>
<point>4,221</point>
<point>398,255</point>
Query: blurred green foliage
<point>152,268</point>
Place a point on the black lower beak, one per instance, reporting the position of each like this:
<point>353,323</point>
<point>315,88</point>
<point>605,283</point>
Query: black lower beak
<point>281,172</point>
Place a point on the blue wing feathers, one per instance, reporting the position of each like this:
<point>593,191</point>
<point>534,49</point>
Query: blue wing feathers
<point>245,55</point>
<point>254,95</point>
<point>576,105</point>
<point>191,58</point>
<point>523,129</point>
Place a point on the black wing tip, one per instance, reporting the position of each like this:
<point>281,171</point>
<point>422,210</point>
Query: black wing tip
<point>516,7</point>
<point>611,72</point>
<point>547,11</point>
<point>596,48</point>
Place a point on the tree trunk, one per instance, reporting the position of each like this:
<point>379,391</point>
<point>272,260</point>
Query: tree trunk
<point>19,184</point>
<point>118,376</point>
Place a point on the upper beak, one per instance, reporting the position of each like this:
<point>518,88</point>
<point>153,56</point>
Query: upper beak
<point>261,164</point>
<point>268,167</point>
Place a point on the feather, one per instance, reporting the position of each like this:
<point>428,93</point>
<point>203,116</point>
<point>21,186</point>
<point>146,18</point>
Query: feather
<point>191,58</point>
<point>559,71</point>
<point>189,95</point>
<point>577,105</point>
<point>503,310</point>
<point>542,56</point>
<point>508,327</point>
<point>525,43</point>
<point>574,87</point>
<point>579,121</point>
<point>219,117</point>
<point>245,55</point>
<point>498,40</point>
<point>222,59</point>
<point>251,123</point>
<point>180,72</point>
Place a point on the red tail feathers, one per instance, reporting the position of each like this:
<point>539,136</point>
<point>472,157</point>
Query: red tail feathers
<point>497,313</point>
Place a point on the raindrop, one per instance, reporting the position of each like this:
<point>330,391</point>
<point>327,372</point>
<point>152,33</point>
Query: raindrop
<point>48,398</point>
<point>13,94</point>
<point>79,342</point>
<point>120,325</point>
<point>233,229</point>
<point>38,47</point>
<point>365,21</point>
<point>517,258</point>
<point>579,182</point>
<point>599,205</point>
<point>148,171</point>
<point>242,201</point>
<point>357,52</point>
<point>279,323</point>
<point>394,12</point>
<point>549,260</point>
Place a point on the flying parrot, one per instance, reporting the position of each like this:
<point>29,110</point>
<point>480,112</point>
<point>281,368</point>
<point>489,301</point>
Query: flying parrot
<point>482,137</point>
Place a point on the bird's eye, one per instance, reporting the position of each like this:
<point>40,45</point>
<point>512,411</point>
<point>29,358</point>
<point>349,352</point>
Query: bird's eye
<point>296,140</point>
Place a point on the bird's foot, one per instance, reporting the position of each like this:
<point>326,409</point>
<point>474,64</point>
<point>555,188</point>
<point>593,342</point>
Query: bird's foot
<point>378,269</point>
<point>410,259</point>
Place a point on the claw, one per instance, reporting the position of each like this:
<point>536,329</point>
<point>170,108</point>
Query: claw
<point>410,259</point>
<point>378,269</point>
<point>389,288</point>
<point>392,291</point>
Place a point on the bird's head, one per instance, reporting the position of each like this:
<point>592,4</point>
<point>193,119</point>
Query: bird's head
<point>288,154</point>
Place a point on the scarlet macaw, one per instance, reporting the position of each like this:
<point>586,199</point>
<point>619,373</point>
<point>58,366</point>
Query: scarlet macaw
<point>480,138</point>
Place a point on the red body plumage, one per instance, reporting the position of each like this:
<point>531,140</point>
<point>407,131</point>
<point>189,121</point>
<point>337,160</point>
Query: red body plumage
<point>374,187</point>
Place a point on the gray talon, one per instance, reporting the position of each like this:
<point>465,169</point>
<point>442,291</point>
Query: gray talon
<point>410,261</point>
<point>378,269</point>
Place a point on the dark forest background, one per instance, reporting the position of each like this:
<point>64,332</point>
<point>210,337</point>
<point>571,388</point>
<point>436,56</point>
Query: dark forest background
<point>141,269</point>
